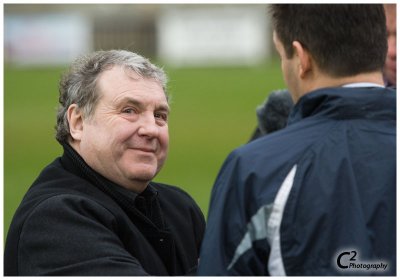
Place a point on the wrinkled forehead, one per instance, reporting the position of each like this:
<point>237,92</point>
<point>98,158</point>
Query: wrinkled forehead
<point>119,78</point>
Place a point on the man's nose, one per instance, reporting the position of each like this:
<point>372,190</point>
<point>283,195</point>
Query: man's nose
<point>148,126</point>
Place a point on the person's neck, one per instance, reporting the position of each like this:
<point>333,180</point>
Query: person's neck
<point>137,186</point>
<point>324,81</point>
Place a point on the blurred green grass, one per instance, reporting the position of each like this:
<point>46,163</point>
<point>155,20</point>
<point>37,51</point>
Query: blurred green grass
<point>213,112</point>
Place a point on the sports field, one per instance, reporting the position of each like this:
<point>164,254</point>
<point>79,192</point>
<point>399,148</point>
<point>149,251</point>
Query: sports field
<point>213,112</point>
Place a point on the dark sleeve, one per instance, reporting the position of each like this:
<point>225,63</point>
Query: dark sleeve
<point>227,249</point>
<point>186,221</point>
<point>71,235</point>
<point>199,226</point>
<point>197,218</point>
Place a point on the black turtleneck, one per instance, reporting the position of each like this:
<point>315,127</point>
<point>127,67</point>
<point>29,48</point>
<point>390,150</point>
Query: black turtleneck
<point>144,205</point>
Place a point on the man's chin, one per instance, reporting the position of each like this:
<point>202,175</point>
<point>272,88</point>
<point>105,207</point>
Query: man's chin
<point>144,174</point>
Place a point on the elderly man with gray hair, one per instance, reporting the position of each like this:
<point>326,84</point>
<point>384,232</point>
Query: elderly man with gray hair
<point>95,209</point>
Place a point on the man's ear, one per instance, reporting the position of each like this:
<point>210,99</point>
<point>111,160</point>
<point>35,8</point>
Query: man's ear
<point>305,64</point>
<point>75,121</point>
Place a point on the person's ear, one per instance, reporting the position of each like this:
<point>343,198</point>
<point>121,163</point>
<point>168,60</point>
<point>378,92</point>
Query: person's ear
<point>75,121</point>
<point>304,58</point>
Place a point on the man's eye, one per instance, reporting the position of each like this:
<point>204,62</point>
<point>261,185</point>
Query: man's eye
<point>161,116</point>
<point>128,111</point>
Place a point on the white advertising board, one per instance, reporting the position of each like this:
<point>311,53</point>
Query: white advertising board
<point>45,39</point>
<point>224,35</point>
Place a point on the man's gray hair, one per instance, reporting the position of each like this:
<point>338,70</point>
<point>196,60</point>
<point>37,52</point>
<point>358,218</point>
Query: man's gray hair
<point>78,85</point>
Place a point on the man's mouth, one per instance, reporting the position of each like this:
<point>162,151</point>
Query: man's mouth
<point>145,149</point>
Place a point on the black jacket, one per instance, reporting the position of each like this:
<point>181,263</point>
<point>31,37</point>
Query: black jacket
<point>73,221</point>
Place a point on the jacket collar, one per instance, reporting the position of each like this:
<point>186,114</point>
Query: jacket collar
<point>346,103</point>
<point>77,165</point>
<point>132,202</point>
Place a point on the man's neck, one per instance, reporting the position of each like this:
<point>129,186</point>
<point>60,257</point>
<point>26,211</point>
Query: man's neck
<point>324,81</point>
<point>137,186</point>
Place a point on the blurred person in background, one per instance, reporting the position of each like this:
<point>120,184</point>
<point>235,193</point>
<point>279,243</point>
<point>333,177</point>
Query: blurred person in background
<point>95,209</point>
<point>390,65</point>
<point>273,113</point>
<point>318,197</point>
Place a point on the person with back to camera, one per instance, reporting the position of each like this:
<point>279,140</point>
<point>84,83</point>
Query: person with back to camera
<point>319,196</point>
<point>273,113</point>
<point>95,210</point>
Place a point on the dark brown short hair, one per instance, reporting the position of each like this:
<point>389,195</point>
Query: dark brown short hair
<point>343,39</point>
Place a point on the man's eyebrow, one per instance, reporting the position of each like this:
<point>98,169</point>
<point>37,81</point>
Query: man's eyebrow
<point>163,107</point>
<point>141,105</point>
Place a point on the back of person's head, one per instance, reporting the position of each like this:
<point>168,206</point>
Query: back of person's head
<point>78,85</point>
<point>343,39</point>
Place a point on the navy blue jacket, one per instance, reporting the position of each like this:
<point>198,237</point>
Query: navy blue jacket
<point>315,198</point>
